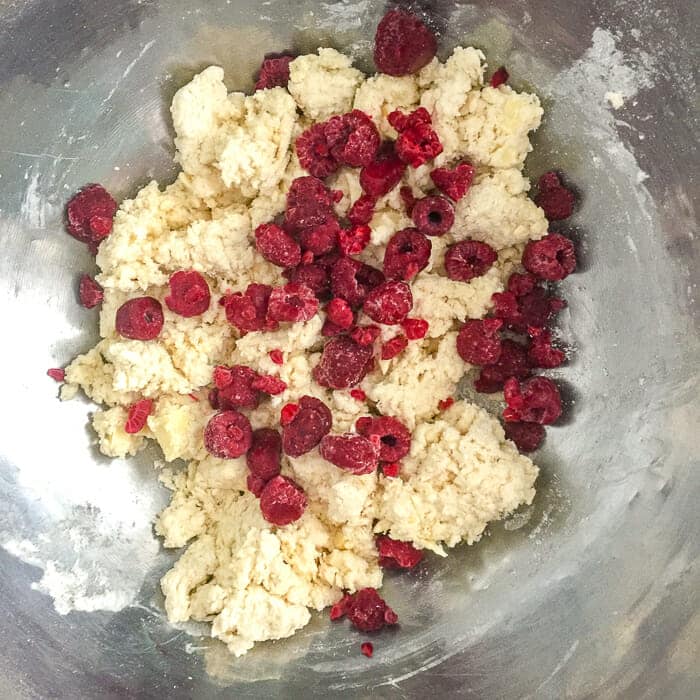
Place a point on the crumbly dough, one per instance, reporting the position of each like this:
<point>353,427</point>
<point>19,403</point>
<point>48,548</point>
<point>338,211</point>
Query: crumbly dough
<point>251,580</point>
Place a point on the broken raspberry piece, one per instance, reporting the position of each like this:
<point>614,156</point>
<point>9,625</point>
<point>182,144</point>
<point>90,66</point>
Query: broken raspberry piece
<point>395,554</point>
<point>248,311</point>
<point>320,239</point>
<point>353,241</point>
<point>309,204</point>
<point>277,246</point>
<point>367,648</point>
<point>282,501</point>
<point>521,284</point>
<point>89,292</point>
<point>365,335</point>
<point>408,198</point>
<point>526,436</point>
<point>255,484</point>
<point>235,387</point>
<point>353,138</point>
<point>499,77</point>
<point>417,143</point>
<point>269,384</point>
<point>469,259</point>
<point>339,313</point>
<point>352,280</point>
<point>550,258</point>
<point>352,453</point>
<point>383,173</point>
<point>541,352</point>
<point>57,374</point>
<point>344,363</point>
<point>276,356</point>
<point>228,435</point>
<point>393,347</point>
<point>358,394</point>
<point>391,469</point>
<point>312,275</point>
<point>403,44</point>
<point>137,416</point>
<point>90,213</point>
<point>433,216</point>
<point>415,328</point>
<point>389,303</point>
<point>339,609</point>
<point>455,182</point>
<point>307,427</point>
<point>478,342</point>
<point>393,436</point>
<point>274,71</point>
<point>289,410</point>
<point>367,611</point>
<point>512,362</point>
<point>556,201</point>
<point>406,254</point>
<point>293,302</point>
<point>534,400</point>
<point>362,210</point>
<point>444,404</point>
<point>265,454</point>
<point>139,319</point>
<point>314,152</point>
<point>532,309</point>
<point>330,329</point>
<point>189,293</point>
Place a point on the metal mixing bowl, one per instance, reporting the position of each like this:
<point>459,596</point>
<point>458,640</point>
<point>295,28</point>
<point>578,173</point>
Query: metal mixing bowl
<point>593,592</point>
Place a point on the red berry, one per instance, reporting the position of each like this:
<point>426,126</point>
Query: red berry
<point>408,199</point>
<point>293,302</point>
<point>189,293</point>
<point>512,362</point>
<point>309,204</point>
<point>343,363</point>
<point>57,374</point>
<point>362,210</point>
<point>455,182</point>
<point>255,484</point>
<point>469,259</point>
<point>444,404</point>
<point>339,313</point>
<point>353,241</point>
<point>406,254</point>
<point>90,213</point>
<point>526,436</point>
<point>314,152</point>
<point>395,554</point>
<point>90,293</point>
<point>417,143</point>
<point>277,246</point>
<point>365,335</point>
<point>533,309</point>
<point>274,71</point>
<point>367,648</point>
<point>415,328</point>
<point>391,469</point>
<point>137,415</point>
<point>282,501</point>
<point>235,387</point>
<point>403,44</point>
<point>550,258</point>
<point>288,412</point>
<point>556,200</point>
<point>140,318</point>
<point>521,284</point>
<point>330,329</point>
<point>499,77</point>
<point>248,311</point>
<point>383,173</point>
<point>389,303</point>
<point>276,356</point>
<point>541,352</point>
<point>393,347</point>
<point>367,611</point>
<point>340,608</point>
<point>433,216</point>
<point>228,435</point>
<point>307,427</point>
<point>269,384</point>
<point>352,453</point>
<point>353,138</point>
<point>265,454</point>
<point>393,436</point>
<point>478,342</point>
<point>322,238</point>
<point>534,400</point>
<point>313,275</point>
<point>352,280</point>
<point>358,394</point>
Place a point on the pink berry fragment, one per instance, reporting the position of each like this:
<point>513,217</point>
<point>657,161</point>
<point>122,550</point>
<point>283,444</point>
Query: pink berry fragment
<point>358,394</point>
<point>352,280</point>
<point>407,253</point>
<point>89,292</point>
<point>354,240</point>
<point>352,453</point>
<point>248,311</point>
<point>137,416</point>
<point>541,352</point>
<point>415,328</point>
<point>556,200</point>
<point>534,400</point>
<point>550,258</point>
<point>293,302</point>
<point>390,303</point>
<point>282,501</point>
<point>455,182</point>
<point>288,412</point>
<point>274,71</point>
<point>365,335</point>
<point>277,246</point>
<point>469,259</point>
<point>366,610</point>
<point>310,421</point>
<point>478,342</point>
<point>395,554</point>
<point>393,436</point>
<point>189,293</point>
<point>362,210</point>
<point>417,143</point>
<point>403,44</point>
<point>383,174</point>
<point>499,77</point>
<point>393,347</point>
<point>391,469</point>
<point>235,387</point>
<point>526,436</point>
<point>57,374</point>
<point>343,363</point>
<point>312,275</point>
<point>139,319</point>
<point>276,356</point>
<point>433,216</point>
<point>367,649</point>
<point>269,384</point>
<point>265,454</point>
<point>340,314</point>
<point>90,213</point>
<point>444,404</point>
<point>228,435</point>
<point>309,204</point>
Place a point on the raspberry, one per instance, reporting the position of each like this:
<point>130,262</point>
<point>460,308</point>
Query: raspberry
<point>499,77</point>
<point>358,394</point>
<point>521,284</point>
<point>535,400</point>
<point>312,276</point>
<point>532,309</point>
<point>274,71</point>
<point>365,335</point>
<point>541,352</point>
<point>265,454</point>
<point>293,302</point>
<point>389,303</point>
<point>352,453</point>
<point>248,311</point>
<point>228,435</point>
<point>352,280</point>
<point>408,198</point>
<point>455,182</point>
<point>367,611</point>
<point>526,436</point>
<point>277,246</point>
<point>137,415</point>
<point>395,554</point>
<point>235,387</point>
<point>417,143</point>
<point>90,213</point>
<point>269,384</point>
<point>57,374</point>
<point>140,318</point>
<point>556,200</point>
<point>89,292</point>
<point>322,238</point>
<point>444,404</point>
<point>407,253</point>
<point>353,241</point>
<point>307,426</point>
<point>478,342</point>
<point>276,356</point>
<point>469,259</point>
<point>394,437</point>
<point>339,313</point>
<point>309,204</point>
<point>282,501</point>
<point>415,328</point>
<point>315,153</point>
<point>343,363</point>
<point>367,648</point>
<point>550,258</point>
<point>433,216</point>
<point>353,138</point>
<point>362,210</point>
<point>189,293</point>
<point>330,329</point>
<point>393,347</point>
<point>403,44</point>
<point>512,362</point>
<point>383,173</point>
<point>288,412</point>
<point>340,608</point>
<point>391,469</point>
<point>255,484</point>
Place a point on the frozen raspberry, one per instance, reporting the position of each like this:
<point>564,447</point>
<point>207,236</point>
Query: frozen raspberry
<point>433,216</point>
<point>556,200</point>
<point>228,435</point>
<point>255,484</point>
<point>340,313</point>
<point>417,143</point>
<point>367,648</point>
<point>395,554</point>
<point>389,303</point>
<point>269,384</point>
<point>140,318</point>
<point>415,328</point>
<point>137,416</point>
<point>314,152</point>
<point>89,292</point>
<point>526,436</point>
<point>235,387</point>
<point>499,77</point>
<point>265,453</point>
<point>403,44</point>
<point>401,121</point>
<point>362,210</point>
<point>534,400</point>
<point>277,246</point>
<point>293,302</point>
<point>248,311</point>
<point>391,469</point>
<point>365,335</point>
<point>307,426</point>
<point>383,173</point>
<point>550,258</point>
<point>541,352</point>
<point>368,612</point>
<point>444,404</point>
<point>512,362</point>
<point>352,280</point>
<point>322,238</point>
<point>478,342</point>
<point>358,394</point>
<point>353,241</point>
<point>532,309</point>
<point>288,412</point>
<point>343,363</point>
<point>57,374</point>
<point>312,276</point>
<point>469,259</point>
<point>406,254</point>
<point>394,437</point>
<point>274,71</point>
<point>189,293</point>
<point>455,182</point>
<point>521,284</point>
<point>408,198</point>
<point>309,204</point>
<point>353,138</point>
<point>90,214</point>
<point>276,356</point>
<point>352,453</point>
<point>282,501</point>
<point>330,329</point>
<point>393,347</point>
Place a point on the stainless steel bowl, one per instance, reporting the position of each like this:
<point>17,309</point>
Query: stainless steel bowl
<point>593,592</point>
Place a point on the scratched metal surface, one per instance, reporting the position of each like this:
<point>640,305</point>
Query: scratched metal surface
<point>593,593</point>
